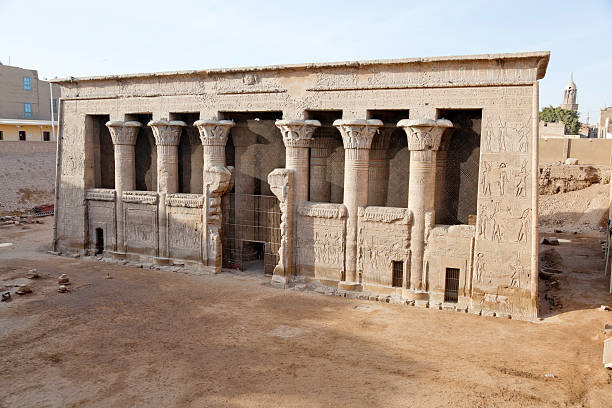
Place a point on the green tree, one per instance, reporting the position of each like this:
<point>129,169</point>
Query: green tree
<point>569,117</point>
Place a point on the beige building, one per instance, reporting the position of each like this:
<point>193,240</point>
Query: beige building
<point>25,105</point>
<point>414,178</point>
<point>605,123</point>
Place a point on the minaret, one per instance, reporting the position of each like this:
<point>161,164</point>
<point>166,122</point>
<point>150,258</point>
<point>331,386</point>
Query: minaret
<point>569,95</point>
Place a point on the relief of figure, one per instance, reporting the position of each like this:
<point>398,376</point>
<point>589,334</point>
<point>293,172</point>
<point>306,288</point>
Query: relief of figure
<point>489,140</point>
<point>480,267</point>
<point>520,183</point>
<point>485,180</point>
<point>497,234</point>
<point>484,220</point>
<point>517,270</point>
<point>501,137</point>
<point>503,177</point>
<point>524,220</point>
<point>523,140</point>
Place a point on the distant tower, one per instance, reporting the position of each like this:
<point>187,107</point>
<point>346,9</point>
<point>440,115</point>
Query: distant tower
<point>569,95</point>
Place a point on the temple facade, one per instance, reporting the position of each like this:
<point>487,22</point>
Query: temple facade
<point>415,178</point>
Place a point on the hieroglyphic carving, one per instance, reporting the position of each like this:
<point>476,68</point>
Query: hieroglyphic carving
<point>385,214</point>
<point>322,210</point>
<point>100,194</point>
<point>502,135</point>
<point>140,225</point>
<point>185,200</point>
<point>501,222</point>
<point>140,197</point>
<point>184,231</point>
<point>520,181</point>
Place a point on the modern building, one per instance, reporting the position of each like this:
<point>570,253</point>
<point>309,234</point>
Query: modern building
<point>25,105</point>
<point>569,95</point>
<point>412,178</point>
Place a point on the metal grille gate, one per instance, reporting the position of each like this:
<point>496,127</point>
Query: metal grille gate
<point>249,218</point>
<point>451,287</point>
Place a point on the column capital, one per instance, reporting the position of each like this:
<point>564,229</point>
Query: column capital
<point>297,133</point>
<point>166,132</point>
<point>213,132</point>
<point>357,133</point>
<point>123,133</point>
<point>424,134</point>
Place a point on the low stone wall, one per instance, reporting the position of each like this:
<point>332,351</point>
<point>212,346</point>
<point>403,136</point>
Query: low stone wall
<point>27,175</point>
<point>562,178</point>
<point>587,151</point>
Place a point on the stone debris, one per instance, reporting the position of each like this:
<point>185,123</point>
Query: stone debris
<point>604,307</point>
<point>6,244</point>
<point>62,289</point>
<point>549,241</point>
<point>23,289</point>
<point>6,296</point>
<point>32,274</point>
<point>549,375</point>
<point>19,220</point>
<point>63,279</point>
<point>571,161</point>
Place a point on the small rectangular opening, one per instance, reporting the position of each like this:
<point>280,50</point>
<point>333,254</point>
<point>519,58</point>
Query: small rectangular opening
<point>22,135</point>
<point>99,241</point>
<point>46,136</point>
<point>451,287</point>
<point>398,274</point>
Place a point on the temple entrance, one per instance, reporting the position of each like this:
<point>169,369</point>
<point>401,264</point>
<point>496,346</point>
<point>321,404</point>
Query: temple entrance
<point>251,213</point>
<point>251,232</point>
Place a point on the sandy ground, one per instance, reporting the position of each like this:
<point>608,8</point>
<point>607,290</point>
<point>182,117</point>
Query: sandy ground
<point>147,338</point>
<point>583,211</point>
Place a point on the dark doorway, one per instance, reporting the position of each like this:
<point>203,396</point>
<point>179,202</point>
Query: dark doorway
<point>46,136</point>
<point>398,274</point>
<point>451,286</point>
<point>99,241</point>
<point>22,135</point>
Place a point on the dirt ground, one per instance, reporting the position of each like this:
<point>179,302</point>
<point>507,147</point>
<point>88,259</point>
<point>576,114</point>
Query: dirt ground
<point>148,338</point>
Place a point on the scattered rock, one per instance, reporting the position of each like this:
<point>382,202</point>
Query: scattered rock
<point>553,241</point>
<point>604,307</point>
<point>6,296</point>
<point>63,279</point>
<point>549,375</point>
<point>23,289</point>
<point>571,161</point>
<point>32,274</point>
<point>62,289</point>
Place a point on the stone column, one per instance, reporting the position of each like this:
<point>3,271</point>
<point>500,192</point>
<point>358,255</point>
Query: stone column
<point>167,136</point>
<point>124,136</point>
<point>378,178</point>
<point>297,137</point>
<point>424,136</point>
<point>213,134</point>
<point>217,181</point>
<point>357,138</point>
<point>320,186</point>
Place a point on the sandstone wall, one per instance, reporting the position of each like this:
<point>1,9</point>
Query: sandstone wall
<point>27,175</point>
<point>587,151</point>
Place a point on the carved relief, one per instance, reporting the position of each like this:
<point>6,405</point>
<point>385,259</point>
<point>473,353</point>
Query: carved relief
<point>100,194</point>
<point>184,231</point>
<point>123,133</point>
<point>217,181</point>
<point>385,214</point>
<point>357,134</point>
<point>185,200</point>
<point>424,134</point>
<point>213,132</point>
<point>297,133</point>
<point>140,197</point>
<point>166,133</point>
<point>322,210</point>
<point>281,182</point>
<point>139,227</point>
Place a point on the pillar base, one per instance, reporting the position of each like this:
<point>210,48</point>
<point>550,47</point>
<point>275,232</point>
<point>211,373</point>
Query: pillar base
<point>416,295</point>
<point>352,286</point>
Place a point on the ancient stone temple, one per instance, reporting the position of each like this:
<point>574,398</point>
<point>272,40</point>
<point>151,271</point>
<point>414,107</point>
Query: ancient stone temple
<point>415,178</point>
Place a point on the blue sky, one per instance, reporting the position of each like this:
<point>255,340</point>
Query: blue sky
<point>76,38</point>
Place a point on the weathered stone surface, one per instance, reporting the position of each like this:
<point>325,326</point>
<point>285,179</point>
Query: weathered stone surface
<point>400,251</point>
